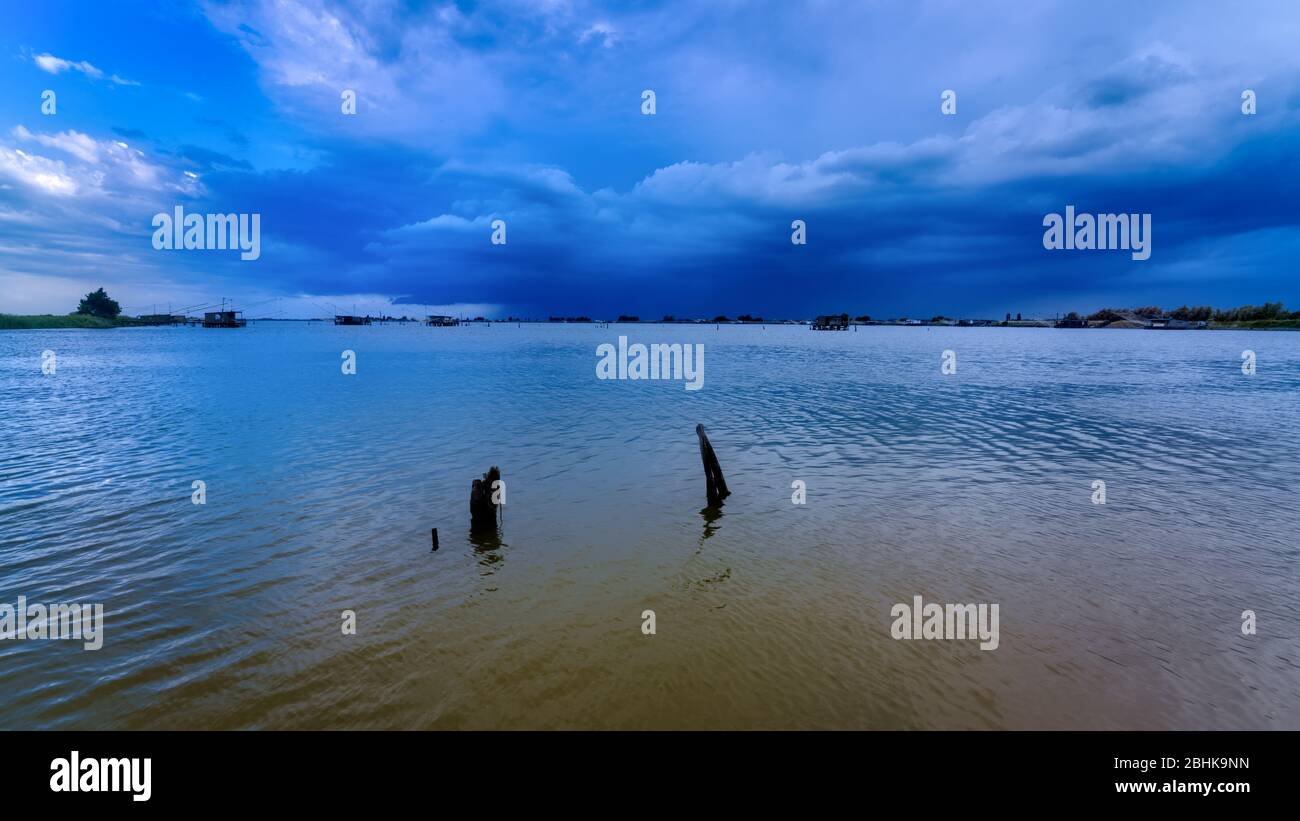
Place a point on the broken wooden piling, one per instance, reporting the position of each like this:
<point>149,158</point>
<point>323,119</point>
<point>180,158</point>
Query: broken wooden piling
<point>435,539</point>
<point>482,509</point>
<point>715,485</point>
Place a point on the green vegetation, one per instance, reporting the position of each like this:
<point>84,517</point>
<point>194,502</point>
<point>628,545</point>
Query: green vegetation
<point>100,304</point>
<point>1254,317</point>
<point>97,310</point>
<point>1269,311</point>
<point>9,322</point>
<point>1261,324</point>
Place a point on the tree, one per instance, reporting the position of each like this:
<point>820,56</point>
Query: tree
<point>1106,315</point>
<point>98,303</point>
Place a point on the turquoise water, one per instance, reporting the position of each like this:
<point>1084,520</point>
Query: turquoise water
<point>973,487</point>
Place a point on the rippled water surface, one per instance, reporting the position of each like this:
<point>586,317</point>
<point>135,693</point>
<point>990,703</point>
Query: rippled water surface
<point>322,489</point>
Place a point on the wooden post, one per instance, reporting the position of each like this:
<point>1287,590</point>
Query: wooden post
<point>482,510</point>
<point>435,539</point>
<point>714,484</point>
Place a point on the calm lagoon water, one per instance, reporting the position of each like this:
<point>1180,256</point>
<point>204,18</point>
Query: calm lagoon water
<point>322,489</point>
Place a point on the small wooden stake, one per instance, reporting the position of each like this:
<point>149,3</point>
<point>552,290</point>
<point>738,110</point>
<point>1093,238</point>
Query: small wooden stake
<point>715,485</point>
<point>435,539</point>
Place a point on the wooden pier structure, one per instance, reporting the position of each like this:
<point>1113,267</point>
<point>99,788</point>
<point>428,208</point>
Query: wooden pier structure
<point>224,319</point>
<point>831,322</point>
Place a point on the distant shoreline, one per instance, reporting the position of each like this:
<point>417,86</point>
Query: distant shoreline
<point>13,322</point>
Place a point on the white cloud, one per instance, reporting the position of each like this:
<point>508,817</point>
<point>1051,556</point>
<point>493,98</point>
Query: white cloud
<point>109,167</point>
<point>602,31</point>
<point>84,212</point>
<point>1161,123</point>
<point>72,142</point>
<point>38,173</point>
<point>413,79</point>
<point>57,65</point>
<point>448,222</point>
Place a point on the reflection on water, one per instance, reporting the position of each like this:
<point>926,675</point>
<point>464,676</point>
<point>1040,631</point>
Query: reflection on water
<point>711,516</point>
<point>489,547</point>
<point>484,540</point>
<point>485,533</point>
<point>975,487</point>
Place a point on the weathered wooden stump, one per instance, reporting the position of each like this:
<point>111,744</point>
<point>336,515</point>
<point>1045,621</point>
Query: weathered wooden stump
<point>482,510</point>
<point>715,486</point>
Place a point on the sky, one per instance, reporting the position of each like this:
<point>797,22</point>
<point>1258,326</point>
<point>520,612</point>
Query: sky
<point>530,112</point>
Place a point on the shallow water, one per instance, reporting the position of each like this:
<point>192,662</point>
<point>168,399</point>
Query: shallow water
<point>975,487</point>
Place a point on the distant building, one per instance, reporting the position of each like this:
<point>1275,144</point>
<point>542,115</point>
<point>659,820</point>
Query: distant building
<point>224,319</point>
<point>161,319</point>
<point>440,321</point>
<point>831,322</point>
